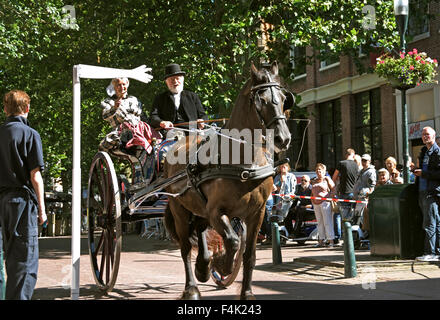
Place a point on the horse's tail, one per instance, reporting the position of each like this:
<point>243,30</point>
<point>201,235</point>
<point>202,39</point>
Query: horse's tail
<point>170,224</point>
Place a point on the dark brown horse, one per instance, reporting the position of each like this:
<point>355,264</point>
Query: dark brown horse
<point>219,199</point>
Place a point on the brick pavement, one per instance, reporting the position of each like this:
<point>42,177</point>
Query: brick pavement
<point>152,269</point>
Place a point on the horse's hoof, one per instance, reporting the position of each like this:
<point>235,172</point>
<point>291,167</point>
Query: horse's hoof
<point>248,295</point>
<point>191,294</point>
<point>203,273</point>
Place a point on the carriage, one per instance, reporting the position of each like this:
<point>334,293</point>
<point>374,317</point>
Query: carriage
<point>220,205</point>
<point>113,200</point>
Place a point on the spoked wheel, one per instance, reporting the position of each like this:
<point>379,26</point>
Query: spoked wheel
<point>104,221</point>
<point>217,277</point>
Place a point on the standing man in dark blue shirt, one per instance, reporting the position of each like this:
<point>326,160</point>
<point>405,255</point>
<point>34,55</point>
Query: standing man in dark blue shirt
<point>428,183</point>
<point>21,196</point>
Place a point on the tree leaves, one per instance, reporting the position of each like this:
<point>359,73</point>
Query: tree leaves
<point>214,42</point>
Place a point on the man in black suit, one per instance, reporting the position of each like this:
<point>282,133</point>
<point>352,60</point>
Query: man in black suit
<point>176,105</point>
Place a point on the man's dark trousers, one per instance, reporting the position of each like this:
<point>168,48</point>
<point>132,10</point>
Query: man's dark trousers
<point>19,224</point>
<point>431,222</point>
<point>2,270</point>
<point>344,211</point>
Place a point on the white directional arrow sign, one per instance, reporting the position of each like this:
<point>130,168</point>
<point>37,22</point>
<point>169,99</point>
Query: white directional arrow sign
<point>90,72</point>
<point>95,72</point>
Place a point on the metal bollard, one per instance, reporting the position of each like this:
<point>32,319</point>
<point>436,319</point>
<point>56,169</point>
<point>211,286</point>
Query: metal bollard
<point>276,246</point>
<point>350,270</point>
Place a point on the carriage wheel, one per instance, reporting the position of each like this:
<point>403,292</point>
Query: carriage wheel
<point>104,221</point>
<point>217,277</point>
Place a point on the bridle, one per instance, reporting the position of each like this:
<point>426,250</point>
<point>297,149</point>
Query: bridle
<point>255,90</point>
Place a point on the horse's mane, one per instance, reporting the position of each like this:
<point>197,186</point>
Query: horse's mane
<point>242,100</point>
<point>244,94</point>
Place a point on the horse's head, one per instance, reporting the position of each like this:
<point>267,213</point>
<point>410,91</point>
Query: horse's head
<point>269,99</point>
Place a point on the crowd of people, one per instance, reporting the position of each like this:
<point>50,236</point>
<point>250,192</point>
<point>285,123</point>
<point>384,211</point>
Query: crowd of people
<point>354,178</point>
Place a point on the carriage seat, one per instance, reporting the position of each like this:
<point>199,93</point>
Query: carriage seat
<point>142,164</point>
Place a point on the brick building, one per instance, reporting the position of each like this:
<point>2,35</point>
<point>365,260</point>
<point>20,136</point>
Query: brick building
<point>362,111</point>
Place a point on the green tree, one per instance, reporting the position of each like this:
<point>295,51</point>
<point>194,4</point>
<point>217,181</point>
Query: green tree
<point>214,41</point>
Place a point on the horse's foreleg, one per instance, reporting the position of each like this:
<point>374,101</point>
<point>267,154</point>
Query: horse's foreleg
<point>248,268</point>
<point>249,257</point>
<point>224,263</point>
<point>191,292</point>
<point>203,256</point>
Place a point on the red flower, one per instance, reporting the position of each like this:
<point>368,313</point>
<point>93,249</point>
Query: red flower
<point>411,67</point>
<point>410,53</point>
<point>402,56</point>
<point>435,60</point>
<point>415,51</point>
<point>422,61</point>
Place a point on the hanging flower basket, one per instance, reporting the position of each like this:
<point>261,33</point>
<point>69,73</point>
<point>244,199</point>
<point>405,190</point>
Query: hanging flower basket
<point>397,84</point>
<point>407,70</point>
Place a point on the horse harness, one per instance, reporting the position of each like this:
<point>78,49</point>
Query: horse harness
<point>198,174</point>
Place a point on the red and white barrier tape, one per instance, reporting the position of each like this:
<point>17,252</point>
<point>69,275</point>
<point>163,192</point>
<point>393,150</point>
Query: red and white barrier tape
<point>320,198</point>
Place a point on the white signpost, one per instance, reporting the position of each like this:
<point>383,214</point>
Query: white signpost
<point>89,72</point>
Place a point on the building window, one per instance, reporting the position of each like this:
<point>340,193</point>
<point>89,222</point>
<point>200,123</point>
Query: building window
<point>330,133</point>
<point>298,61</point>
<point>368,132</point>
<point>298,152</point>
<point>418,20</point>
<point>328,59</point>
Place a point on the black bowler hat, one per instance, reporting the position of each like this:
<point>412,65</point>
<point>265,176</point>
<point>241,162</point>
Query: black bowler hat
<point>173,69</point>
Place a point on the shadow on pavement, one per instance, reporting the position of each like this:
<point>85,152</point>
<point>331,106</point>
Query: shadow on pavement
<point>280,290</point>
<point>59,247</point>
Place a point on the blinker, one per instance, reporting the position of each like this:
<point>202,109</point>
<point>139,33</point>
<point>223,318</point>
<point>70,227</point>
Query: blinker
<point>275,98</point>
<point>289,103</point>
